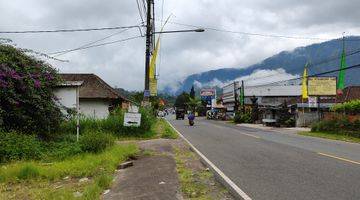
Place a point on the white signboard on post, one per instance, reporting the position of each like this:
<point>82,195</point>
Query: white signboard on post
<point>132,119</point>
<point>313,102</point>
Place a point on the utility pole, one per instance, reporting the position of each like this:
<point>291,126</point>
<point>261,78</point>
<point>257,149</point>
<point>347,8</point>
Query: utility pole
<point>149,45</point>
<point>236,106</point>
<point>242,96</point>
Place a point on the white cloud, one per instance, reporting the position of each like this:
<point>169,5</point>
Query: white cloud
<point>183,54</point>
<point>256,78</point>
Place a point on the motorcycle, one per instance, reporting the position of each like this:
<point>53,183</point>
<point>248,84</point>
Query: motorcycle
<point>191,122</point>
<point>191,119</point>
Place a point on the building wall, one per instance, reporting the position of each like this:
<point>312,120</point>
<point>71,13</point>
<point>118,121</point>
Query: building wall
<point>95,108</point>
<point>66,97</point>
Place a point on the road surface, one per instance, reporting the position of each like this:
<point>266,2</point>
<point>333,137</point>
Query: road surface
<point>276,165</point>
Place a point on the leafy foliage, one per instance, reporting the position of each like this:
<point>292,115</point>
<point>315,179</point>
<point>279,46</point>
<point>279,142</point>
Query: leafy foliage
<point>95,142</point>
<point>351,107</point>
<point>242,117</point>
<point>27,102</point>
<point>182,100</point>
<point>113,124</point>
<point>340,126</point>
<point>15,146</point>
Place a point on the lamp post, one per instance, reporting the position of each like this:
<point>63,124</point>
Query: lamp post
<point>147,59</point>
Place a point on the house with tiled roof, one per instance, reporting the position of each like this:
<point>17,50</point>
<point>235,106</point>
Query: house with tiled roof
<point>94,97</point>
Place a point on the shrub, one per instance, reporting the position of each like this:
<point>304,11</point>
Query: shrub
<point>95,142</point>
<point>15,146</point>
<point>27,101</point>
<point>351,107</point>
<point>340,126</point>
<point>113,124</point>
<point>28,171</point>
<point>242,118</point>
<point>60,150</point>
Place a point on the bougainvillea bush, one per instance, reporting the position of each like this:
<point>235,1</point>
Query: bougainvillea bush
<point>26,100</point>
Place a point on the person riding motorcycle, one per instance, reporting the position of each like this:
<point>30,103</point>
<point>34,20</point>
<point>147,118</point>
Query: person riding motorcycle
<point>191,118</point>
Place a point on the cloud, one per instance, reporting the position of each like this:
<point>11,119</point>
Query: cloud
<point>122,64</point>
<point>258,77</point>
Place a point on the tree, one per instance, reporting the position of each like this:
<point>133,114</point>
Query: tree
<point>182,100</point>
<point>193,104</point>
<point>192,92</point>
<point>27,102</point>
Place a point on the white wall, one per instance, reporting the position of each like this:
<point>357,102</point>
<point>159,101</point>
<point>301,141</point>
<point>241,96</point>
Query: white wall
<point>94,108</point>
<point>66,97</point>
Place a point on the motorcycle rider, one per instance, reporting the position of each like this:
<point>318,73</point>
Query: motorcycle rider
<point>191,118</point>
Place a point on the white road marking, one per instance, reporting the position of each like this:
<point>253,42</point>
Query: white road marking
<point>230,183</point>
<point>339,158</point>
<point>254,136</point>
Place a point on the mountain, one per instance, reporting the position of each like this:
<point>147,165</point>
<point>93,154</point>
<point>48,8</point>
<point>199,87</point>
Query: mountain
<point>323,57</point>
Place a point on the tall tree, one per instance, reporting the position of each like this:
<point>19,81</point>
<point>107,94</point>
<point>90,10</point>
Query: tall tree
<point>182,100</point>
<point>192,92</point>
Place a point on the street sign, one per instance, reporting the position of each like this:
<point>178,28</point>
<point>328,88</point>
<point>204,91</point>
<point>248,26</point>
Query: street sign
<point>207,92</point>
<point>322,86</point>
<point>132,119</point>
<point>146,93</point>
<point>312,102</point>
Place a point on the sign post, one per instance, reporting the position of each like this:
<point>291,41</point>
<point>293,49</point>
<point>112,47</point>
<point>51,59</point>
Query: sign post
<point>320,86</point>
<point>132,117</point>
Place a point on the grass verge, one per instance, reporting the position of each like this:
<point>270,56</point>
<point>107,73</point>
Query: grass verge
<point>196,181</point>
<point>332,136</point>
<point>165,130</point>
<point>60,180</point>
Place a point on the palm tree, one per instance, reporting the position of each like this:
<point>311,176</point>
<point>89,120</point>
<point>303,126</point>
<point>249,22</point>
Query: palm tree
<point>194,103</point>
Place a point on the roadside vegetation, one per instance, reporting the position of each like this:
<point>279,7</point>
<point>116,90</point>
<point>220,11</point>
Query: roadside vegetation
<point>83,177</point>
<point>196,181</point>
<point>40,157</point>
<point>344,125</point>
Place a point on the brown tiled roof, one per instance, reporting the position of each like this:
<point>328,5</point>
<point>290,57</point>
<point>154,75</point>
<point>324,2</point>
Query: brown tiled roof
<point>93,87</point>
<point>349,93</point>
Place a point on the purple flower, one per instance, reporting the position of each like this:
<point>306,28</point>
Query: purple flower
<point>14,75</point>
<point>37,83</point>
<point>49,77</point>
<point>3,84</point>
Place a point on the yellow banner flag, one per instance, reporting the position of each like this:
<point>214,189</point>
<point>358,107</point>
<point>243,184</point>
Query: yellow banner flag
<point>304,84</point>
<point>153,60</point>
<point>153,87</point>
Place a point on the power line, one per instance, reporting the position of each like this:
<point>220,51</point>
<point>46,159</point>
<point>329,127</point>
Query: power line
<point>256,34</point>
<point>309,66</point>
<point>102,44</point>
<point>60,53</point>
<point>69,30</point>
<point>140,11</point>
<point>300,77</point>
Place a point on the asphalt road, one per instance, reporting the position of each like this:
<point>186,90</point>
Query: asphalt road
<point>278,165</point>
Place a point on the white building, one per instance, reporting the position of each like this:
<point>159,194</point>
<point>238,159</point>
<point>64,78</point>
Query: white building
<point>95,97</point>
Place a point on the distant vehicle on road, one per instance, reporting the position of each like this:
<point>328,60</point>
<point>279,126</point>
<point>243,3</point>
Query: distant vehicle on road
<point>180,113</point>
<point>161,114</point>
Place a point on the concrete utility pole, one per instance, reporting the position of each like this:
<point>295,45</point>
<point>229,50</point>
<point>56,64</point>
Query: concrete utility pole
<point>150,28</point>
<point>236,106</point>
<point>242,96</point>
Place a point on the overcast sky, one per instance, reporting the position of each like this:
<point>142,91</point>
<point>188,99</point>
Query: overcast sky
<point>122,64</point>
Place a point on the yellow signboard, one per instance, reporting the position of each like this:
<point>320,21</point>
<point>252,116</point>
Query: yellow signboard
<point>322,86</point>
<point>153,87</point>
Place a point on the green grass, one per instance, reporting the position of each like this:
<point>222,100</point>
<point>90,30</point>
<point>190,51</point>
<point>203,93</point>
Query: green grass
<point>35,180</point>
<point>332,136</point>
<point>193,184</point>
<point>165,130</point>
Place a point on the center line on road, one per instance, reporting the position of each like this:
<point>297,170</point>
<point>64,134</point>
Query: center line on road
<point>254,136</point>
<point>339,158</point>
